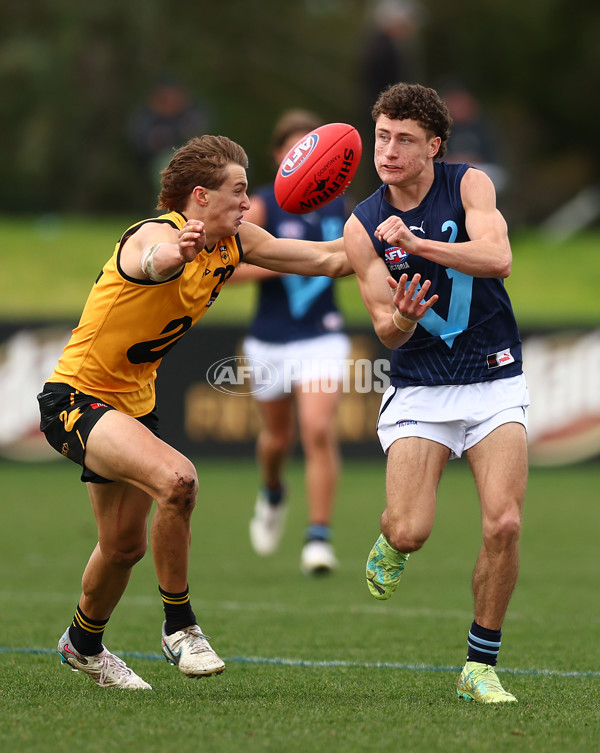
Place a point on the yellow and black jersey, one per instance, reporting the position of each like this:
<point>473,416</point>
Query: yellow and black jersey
<point>128,325</point>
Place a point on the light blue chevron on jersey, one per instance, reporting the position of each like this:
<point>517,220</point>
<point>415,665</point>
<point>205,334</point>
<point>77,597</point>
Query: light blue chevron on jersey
<point>293,308</point>
<point>458,309</point>
<point>460,301</point>
<point>332,228</point>
<point>303,291</point>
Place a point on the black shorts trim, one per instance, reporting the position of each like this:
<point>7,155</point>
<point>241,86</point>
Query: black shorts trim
<point>387,402</point>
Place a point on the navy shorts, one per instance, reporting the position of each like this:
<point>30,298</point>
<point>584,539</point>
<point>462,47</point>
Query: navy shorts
<point>67,418</point>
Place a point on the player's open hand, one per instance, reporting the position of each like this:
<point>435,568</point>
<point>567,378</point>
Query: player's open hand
<point>191,239</point>
<point>410,299</point>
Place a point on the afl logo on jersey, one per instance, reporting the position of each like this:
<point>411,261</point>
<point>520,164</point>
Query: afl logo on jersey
<point>300,154</point>
<point>395,254</point>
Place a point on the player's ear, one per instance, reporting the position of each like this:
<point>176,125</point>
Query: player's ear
<point>434,146</point>
<point>200,194</point>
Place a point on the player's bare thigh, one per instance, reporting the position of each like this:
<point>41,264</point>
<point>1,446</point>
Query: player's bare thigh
<point>500,468</point>
<point>414,469</point>
<point>122,449</point>
<point>317,408</point>
<point>279,417</point>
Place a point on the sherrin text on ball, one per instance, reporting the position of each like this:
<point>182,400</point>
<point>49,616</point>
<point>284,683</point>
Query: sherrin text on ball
<point>318,168</point>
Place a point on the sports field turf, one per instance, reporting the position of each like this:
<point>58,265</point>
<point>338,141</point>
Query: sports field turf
<point>312,664</point>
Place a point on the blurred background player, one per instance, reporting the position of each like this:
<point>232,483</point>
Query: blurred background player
<point>298,329</point>
<point>473,138</point>
<point>390,52</point>
<point>168,117</point>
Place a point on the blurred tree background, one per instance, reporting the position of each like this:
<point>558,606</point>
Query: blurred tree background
<point>73,76</point>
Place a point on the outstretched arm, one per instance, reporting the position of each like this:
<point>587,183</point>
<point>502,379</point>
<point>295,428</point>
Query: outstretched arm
<point>251,273</point>
<point>257,215</point>
<point>291,256</point>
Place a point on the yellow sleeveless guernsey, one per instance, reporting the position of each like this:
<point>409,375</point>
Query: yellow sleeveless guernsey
<point>128,325</point>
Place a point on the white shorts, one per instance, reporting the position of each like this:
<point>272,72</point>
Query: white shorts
<point>300,363</point>
<point>456,416</point>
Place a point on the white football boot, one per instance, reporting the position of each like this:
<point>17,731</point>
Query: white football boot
<point>189,650</point>
<point>105,669</point>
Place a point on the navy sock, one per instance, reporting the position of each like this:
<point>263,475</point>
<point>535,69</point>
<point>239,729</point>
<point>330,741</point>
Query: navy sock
<point>484,644</point>
<point>86,635</point>
<point>274,496</point>
<point>178,611</point>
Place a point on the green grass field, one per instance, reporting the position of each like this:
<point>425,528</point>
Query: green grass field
<point>49,264</point>
<point>313,664</point>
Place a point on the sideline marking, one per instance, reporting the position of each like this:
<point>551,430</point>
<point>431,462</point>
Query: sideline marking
<point>333,664</point>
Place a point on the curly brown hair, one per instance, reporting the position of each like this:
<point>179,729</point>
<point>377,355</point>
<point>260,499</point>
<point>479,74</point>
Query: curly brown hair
<point>200,162</point>
<point>415,102</point>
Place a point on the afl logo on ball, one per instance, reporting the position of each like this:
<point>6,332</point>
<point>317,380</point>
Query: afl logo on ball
<point>299,155</point>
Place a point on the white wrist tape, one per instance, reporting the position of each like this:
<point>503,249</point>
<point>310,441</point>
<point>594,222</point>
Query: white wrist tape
<point>147,263</point>
<point>403,323</point>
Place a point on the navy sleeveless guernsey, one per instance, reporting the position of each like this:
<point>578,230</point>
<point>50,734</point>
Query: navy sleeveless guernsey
<point>470,335</point>
<point>293,307</point>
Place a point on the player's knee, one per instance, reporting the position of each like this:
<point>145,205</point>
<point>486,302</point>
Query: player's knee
<point>403,534</point>
<point>279,441</point>
<point>180,489</point>
<point>503,531</point>
<point>405,541</point>
<point>317,436</point>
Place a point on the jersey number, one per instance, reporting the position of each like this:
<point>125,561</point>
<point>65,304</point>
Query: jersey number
<point>223,274</point>
<point>460,301</point>
<point>153,350</point>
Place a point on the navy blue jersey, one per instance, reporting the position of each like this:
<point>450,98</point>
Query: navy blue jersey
<point>470,335</point>
<point>293,307</point>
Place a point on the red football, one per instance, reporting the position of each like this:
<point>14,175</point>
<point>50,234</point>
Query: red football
<point>318,168</point>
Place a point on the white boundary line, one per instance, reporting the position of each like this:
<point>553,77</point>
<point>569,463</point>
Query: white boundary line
<point>330,664</point>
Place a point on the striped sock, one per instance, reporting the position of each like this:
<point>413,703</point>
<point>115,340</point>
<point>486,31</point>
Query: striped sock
<point>86,635</point>
<point>484,644</point>
<point>178,611</point>
<point>318,532</point>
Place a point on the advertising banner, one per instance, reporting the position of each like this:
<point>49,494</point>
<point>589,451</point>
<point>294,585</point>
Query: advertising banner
<point>205,392</point>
